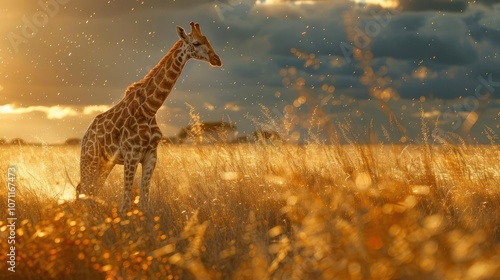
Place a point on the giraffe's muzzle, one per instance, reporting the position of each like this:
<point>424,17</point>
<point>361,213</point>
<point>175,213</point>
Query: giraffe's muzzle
<point>215,60</point>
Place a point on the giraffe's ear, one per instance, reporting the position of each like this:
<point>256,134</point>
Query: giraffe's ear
<point>182,33</point>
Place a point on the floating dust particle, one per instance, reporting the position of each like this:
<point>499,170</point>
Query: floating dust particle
<point>273,179</point>
<point>275,231</point>
<point>410,201</point>
<point>363,181</point>
<point>291,200</point>
<point>81,256</point>
<point>420,189</point>
<point>106,268</point>
<point>433,221</point>
<point>374,242</point>
<point>230,176</point>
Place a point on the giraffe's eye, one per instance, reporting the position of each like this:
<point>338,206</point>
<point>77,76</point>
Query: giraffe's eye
<point>196,44</point>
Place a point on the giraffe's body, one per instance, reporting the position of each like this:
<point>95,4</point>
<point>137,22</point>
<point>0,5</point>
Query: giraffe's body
<point>127,133</point>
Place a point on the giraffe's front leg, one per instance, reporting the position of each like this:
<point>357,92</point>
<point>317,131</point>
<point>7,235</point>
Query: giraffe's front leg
<point>148,167</point>
<point>130,167</point>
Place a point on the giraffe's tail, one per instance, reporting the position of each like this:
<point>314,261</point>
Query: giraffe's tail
<point>78,190</point>
<point>68,179</point>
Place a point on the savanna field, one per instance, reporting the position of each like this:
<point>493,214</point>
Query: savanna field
<point>262,211</point>
<point>369,145</point>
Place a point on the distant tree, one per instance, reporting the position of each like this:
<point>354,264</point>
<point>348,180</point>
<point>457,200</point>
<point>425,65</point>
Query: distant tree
<point>73,141</point>
<point>244,139</point>
<point>18,141</point>
<point>266,136</point>
<point>3,141</point>
<point>208,132</point>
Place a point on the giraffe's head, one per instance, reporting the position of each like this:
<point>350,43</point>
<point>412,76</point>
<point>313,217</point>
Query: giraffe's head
<point>198,45</point>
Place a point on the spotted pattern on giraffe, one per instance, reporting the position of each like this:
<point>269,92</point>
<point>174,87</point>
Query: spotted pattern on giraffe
<point>128,134</point>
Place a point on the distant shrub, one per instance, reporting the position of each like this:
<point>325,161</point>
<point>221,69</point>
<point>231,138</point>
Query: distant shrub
<point>73,141</point>
<point>18,141</point>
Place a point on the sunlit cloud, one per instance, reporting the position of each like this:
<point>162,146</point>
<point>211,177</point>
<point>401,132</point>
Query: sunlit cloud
<point>295,2</point>
<point>53,112</point>
<point>89,110</point>
<point>58,112</point>
<point>389,4</point>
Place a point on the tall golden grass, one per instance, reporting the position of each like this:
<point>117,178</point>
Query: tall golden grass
<point>263,211</point>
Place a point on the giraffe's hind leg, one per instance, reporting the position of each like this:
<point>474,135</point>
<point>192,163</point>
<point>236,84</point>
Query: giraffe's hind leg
<point>148,167</point>
<point>129,168</point>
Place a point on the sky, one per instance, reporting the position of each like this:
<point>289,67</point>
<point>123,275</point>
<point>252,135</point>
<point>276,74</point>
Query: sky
<point>381,70</point>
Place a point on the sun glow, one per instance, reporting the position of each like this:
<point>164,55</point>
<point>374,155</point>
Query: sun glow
<point>294,2</point>
<point>6,109</point>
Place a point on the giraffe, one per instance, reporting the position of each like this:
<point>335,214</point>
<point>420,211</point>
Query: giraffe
<point>128,134</point>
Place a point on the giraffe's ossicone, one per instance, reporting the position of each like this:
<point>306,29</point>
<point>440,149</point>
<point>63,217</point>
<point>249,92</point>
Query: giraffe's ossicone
<point>127,133</point>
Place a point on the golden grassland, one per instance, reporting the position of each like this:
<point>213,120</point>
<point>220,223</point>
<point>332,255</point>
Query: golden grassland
<point>263,211</point>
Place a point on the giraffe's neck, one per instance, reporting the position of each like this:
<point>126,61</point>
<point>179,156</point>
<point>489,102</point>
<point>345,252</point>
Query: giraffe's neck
<point>158,83</point>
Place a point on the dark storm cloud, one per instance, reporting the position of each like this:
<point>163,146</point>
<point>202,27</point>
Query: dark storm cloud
<point>411,46</point>
<point>427,36</point>
<point>442,5</point>
<point>442,42</point>
<point>476,23</point>
<point>265,44</point>
<point>322,40</point>
<point>436,5</point>
<point>488,2</point>
<point>440,87</point>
